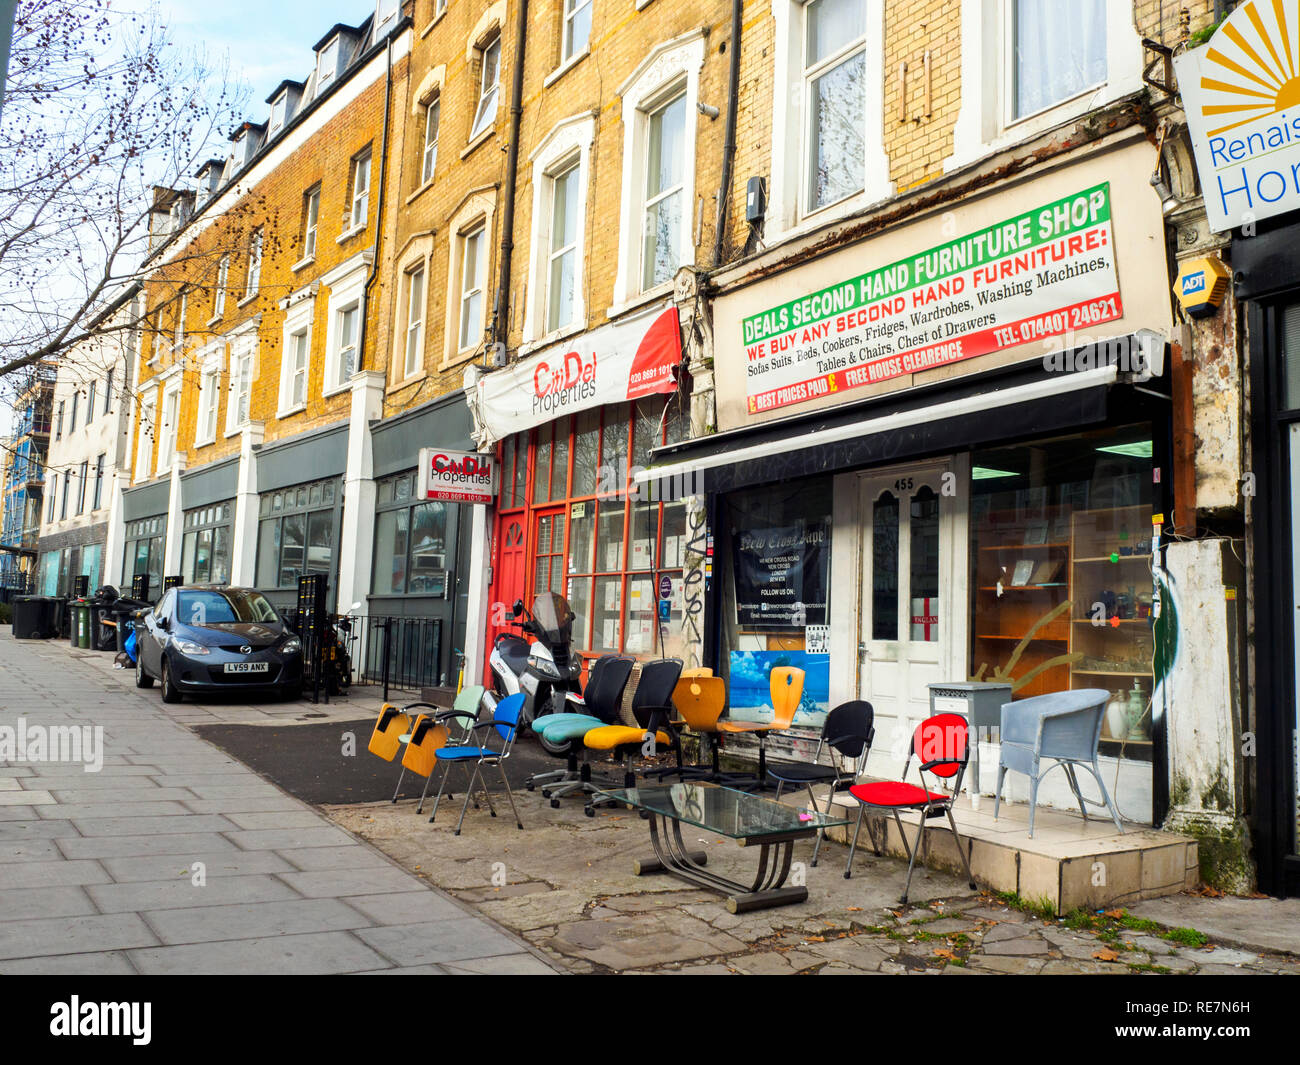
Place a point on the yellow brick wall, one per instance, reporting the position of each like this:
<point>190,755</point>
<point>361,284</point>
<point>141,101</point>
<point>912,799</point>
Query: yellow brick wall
<point>274,203</point>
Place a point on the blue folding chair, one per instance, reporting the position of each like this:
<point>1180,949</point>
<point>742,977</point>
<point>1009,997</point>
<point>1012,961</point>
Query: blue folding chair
<point>505,719</point>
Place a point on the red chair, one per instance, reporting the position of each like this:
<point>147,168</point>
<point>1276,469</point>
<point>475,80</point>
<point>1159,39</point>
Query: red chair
<point>939,744</point>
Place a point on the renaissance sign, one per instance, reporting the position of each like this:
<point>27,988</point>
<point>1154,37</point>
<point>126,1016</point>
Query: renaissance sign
<point>1041,274</point>
<point>1241,93</point>
<point>621,361</point>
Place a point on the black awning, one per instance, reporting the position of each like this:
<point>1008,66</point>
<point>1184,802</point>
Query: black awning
<point>1026,399</point>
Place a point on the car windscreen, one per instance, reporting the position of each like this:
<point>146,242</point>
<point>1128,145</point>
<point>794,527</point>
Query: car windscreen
<point>229,606</point>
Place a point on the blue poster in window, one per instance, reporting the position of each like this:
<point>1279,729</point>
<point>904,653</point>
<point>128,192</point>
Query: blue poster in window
<point>750,685</point>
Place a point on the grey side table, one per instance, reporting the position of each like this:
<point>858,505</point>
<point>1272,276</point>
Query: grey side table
<point>980,703</point>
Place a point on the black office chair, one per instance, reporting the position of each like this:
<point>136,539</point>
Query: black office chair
<point>848,731</point>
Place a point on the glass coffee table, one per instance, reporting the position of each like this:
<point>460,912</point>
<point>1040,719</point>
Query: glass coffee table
<point>750,820</point>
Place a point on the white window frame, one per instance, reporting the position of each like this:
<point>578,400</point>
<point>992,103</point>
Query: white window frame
<point>209,401</point>
<point>169,426</point>
<point>787,211</point>
<point>223,282</point>
<point>475,239</point>
<point>298,322</point>
<point>393,7</point>
<point>489,96</point>
<point>144,438</point>
<point>983,125</point>
<point>358,198</point>
<point>415,283</point>
<point>478,212</point>
<point>243,367</point>
<point>567,144</point>
<point>568,52</point>
<point>311,226</point>
<point>279,114</point>
<point>347,289</point>
<point>253,275</point>
<point>429,154</point>
<point>671,68</point>
<point>178,332</point>
<point>327,64</point>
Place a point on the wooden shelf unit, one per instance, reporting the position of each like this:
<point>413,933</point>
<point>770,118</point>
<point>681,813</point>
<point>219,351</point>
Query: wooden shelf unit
<point>1114,655</point>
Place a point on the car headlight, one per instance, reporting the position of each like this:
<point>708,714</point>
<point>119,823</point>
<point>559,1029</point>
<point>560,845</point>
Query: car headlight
<point>189,647</point>
<point>291,645</point>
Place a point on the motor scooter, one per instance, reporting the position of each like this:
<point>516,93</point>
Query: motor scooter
<point>545,669</point>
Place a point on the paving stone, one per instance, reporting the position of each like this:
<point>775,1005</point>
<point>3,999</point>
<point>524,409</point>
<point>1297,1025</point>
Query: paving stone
<point>182,892</point>
<point>311,859</point>
<point>1070,968</point>
<point>1023,947</point>
<point>949,925</point>
<point>501,965</point>
<point>211,924</point>
<point>289,838</point>
<point>633,941</point>
<point>284,955</point>
<point>182,866</point>
<point>1224,956</point>
<point>22,904</point>
<point>130,826</point>
<point>456,939</point>
<point>1001,932</point>
<point>49,874</point>
<point>93,963</point>
<point>73,935</point>
<point>405,907</point>
<point>197,843</point>
<point>334,883</point>
<point>857,951</point>
<point>536,910</point>
<point>1006,964</point>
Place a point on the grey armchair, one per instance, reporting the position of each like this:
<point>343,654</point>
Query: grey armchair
<point>1062,727</point>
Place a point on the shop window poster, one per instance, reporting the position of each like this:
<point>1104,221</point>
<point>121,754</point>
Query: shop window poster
<point>751,691</point>
<point>781,576</point>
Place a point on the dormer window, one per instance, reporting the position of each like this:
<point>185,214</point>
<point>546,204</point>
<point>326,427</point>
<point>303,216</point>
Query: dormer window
<point>279,112</point>
<point>385,12</point>
<point>327,65</point>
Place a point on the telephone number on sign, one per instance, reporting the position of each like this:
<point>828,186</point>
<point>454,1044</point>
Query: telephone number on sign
<point>1046,325</point>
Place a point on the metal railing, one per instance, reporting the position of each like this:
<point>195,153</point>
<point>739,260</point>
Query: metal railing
<point>400,652</point>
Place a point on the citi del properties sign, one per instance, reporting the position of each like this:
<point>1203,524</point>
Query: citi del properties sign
<point>624,360</point>
<point>1041,274</point>
<point>458,476</point>
<point>1241,93</point>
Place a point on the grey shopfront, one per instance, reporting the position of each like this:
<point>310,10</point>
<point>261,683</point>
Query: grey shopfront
<point>208,507</point>
<point>144,512</point>
<point>421,553</point>
<point>300,511</point>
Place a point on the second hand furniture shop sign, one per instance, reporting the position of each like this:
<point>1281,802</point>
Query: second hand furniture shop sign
<point>1044,273</point>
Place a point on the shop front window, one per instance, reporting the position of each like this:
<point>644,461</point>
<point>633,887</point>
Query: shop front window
<point>297,533</point>
<point>205,549</point>
<point>592,536</point>
<point>411,553</point>
<point>776,592</point>
<point>1061,566</point>
<point>143,552</point>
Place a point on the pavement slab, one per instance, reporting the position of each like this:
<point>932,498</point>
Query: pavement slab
<point>176,858</point>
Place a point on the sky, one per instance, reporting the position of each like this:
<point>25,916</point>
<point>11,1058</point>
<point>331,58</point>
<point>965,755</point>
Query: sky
<point>266,40</point>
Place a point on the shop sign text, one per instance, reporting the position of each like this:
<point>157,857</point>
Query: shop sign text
<point>1042,274</point>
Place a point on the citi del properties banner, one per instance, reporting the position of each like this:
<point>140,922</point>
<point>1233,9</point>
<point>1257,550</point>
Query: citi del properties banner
<point>624,360</point>
<point>1041,274</point>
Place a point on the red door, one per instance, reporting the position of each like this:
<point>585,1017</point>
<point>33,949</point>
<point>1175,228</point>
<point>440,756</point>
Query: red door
<point>509,576</point>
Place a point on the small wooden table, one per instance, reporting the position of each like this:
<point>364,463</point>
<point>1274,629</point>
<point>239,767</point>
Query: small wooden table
<point>750,820</point>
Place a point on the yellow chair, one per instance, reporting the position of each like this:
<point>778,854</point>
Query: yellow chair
<point>786,687</point>
<point>386,739</point>
<point>700,698</point>
<point>426,737</point>
<point>652,709</point>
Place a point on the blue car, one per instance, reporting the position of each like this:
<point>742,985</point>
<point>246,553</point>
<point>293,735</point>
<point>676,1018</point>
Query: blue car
<point>209,639</point>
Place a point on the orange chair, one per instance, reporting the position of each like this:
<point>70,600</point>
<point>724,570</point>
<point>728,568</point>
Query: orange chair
<point>700,699</point>
<point>786,685</point>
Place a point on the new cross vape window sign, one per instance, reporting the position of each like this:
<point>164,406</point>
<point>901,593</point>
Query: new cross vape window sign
<point>458,476</point>
<point>1241,93</point>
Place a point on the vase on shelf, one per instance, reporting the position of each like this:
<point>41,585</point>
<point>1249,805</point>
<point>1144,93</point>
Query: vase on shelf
<point>1116,719</point>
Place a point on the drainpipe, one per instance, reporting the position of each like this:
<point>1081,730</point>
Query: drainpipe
<point>729,145</point>
<point>501,305</point>
<point>379,202</point>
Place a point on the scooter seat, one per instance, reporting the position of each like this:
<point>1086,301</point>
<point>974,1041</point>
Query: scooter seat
<point>557,728</point>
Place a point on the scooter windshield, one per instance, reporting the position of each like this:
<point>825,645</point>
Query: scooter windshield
<point>554,617</point>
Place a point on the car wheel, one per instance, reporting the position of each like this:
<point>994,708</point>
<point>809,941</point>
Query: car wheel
<point>142,679</point>
<point>170,693</point>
